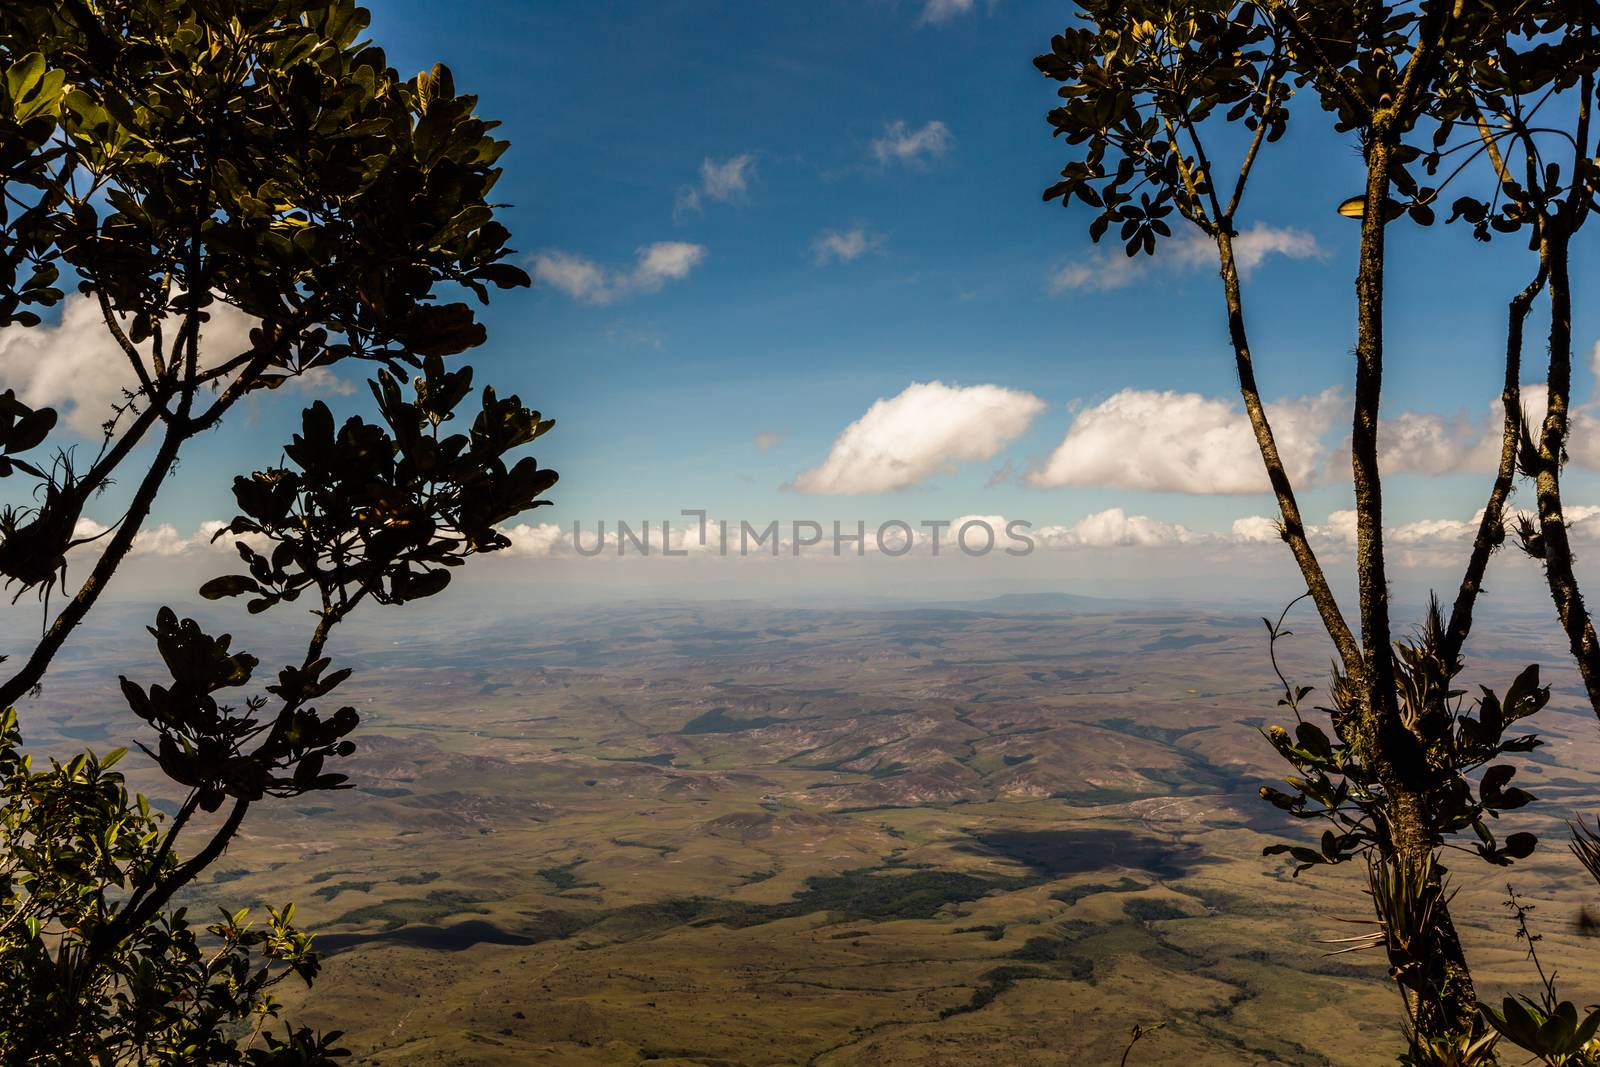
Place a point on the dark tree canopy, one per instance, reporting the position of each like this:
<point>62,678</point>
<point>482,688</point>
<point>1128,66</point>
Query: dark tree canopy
<point>171,159</point>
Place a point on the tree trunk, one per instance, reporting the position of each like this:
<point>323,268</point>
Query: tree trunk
<point>1390,748</point>
<point>1557,547</point>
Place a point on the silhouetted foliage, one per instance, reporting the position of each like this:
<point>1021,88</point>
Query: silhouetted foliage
<point>174,161</point>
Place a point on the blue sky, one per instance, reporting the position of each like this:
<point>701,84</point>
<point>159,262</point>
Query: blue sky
<point>915,134</point>
<point>613,108</point>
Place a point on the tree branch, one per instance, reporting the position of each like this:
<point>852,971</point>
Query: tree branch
<point>1312,48</point>
<point>1559,574</point>
<point>1491,528</point>
<point>1250,154</point>
<point>135,357</point>
<point>1294,531</point>
<point>1372,582</point>
<point>116,550</point>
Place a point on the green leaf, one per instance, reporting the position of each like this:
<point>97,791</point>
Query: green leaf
<point>24,77</point>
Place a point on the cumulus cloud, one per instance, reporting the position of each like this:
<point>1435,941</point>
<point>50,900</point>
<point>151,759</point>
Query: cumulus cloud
<point>1341,527</point>
<point>843,246</point>
<point>1426,443</point>
<point>901,144</point>
<point>589,283</point>
<point>1411,442</point>
<point>1431,541</point>
<point>1185,443</point>
<point>938,11</point>
<point>1435,531</point>
<point>1256,529</point>
<point>75,367</point>
<point>1339,530</point>
<point>163,540</point>
<point>723,181</point>
<point>1105,268</point>
<point>926,429</point>
<point>1191,443</point>
<point>536,540</point>
<point>666,261</point>
<point>1115,528</point>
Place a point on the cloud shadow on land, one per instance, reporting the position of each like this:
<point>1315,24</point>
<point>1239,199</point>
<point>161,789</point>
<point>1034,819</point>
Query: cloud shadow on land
<point>1058,853</point>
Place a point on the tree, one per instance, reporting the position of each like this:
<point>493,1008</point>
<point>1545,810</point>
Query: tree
<point>177,162</point>
<point>1495,100</point>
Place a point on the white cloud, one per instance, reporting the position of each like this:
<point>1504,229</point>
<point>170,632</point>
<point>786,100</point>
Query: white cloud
<point>1110,268</point>
<point>580,278</point>
<point>937,11</point>
<point>1191,443</point>
<point>1252,247</point>
<point>75,366</point>
<point>924,430</point>
<point>162,540</point>
<point>1583,429</point>
<point>725,180</point>
<point>587,282</point>
<point>721,181</point>
<point>766,439</point>
<point>901,144</point>
<point>666,261</point>
<point>1340,530</point>
<point>1185,443</point>
<point>1425,443</point>
<point>1341,526</point>
<point>1413,442</point>
<point>1115,528</point>
<point>1100,272</point>
<point>843,246</point>
<point>86,529</point>
<point>1256,529</point>
<point>1436,541</point>
<point>536,541</point>
<point>1434,531</point>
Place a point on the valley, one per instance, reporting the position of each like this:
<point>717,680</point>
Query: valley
<point>738,834</point>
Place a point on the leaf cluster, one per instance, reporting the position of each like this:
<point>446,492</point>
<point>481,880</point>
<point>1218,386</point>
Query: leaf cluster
<point>1337,779</point>
<point>1137,83</point>
<point>385,510</point>
<point>221,751</point>
<point>333,196</point>
<point>73,843</point>
<point>1556,1035</point>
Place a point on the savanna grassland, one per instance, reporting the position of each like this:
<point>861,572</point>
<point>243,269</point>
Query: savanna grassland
<point>726,833</point>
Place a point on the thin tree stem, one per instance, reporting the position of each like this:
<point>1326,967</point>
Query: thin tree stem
<point>1491,528</point>
<point>1294,530</point>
